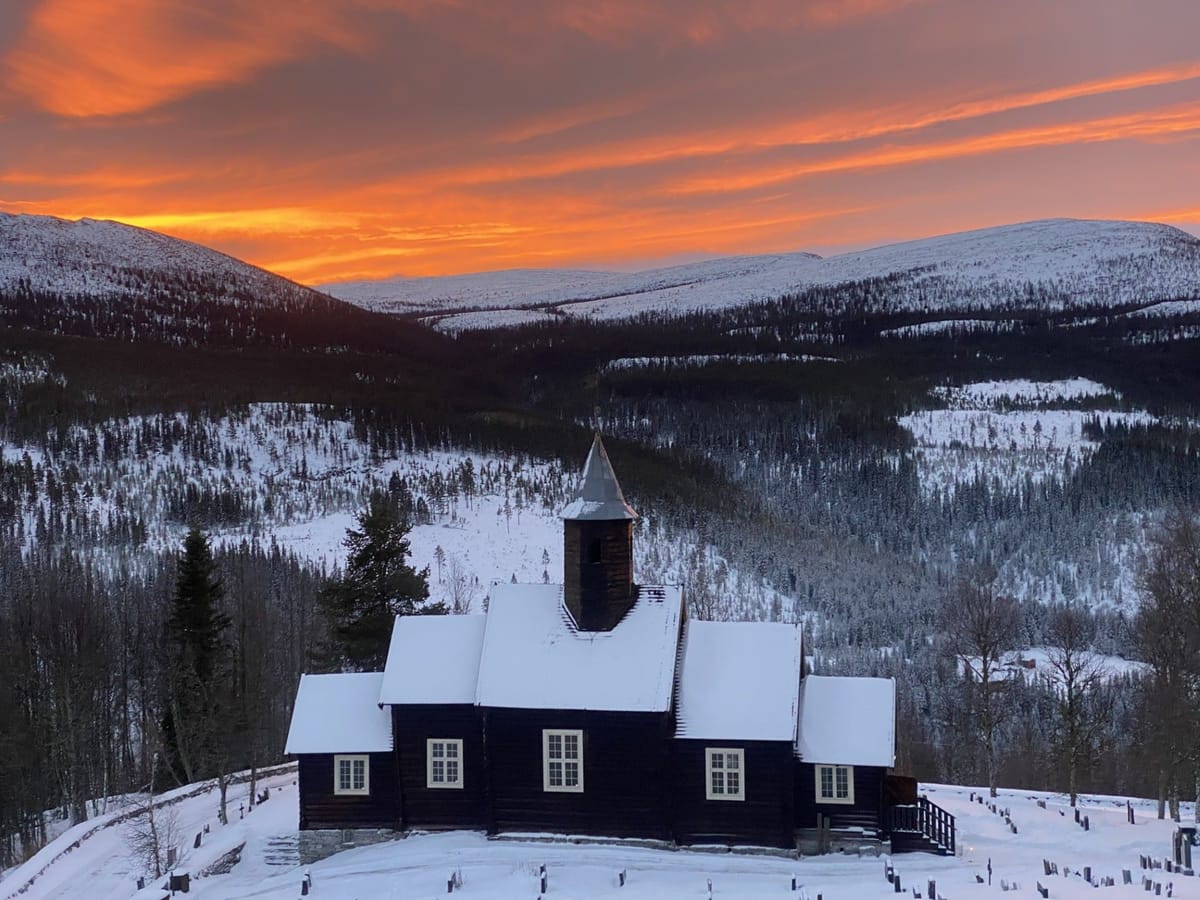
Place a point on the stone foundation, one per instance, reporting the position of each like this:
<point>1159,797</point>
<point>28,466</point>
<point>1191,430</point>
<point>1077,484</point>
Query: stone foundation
<point>320,843</point>
<point>854,841</point>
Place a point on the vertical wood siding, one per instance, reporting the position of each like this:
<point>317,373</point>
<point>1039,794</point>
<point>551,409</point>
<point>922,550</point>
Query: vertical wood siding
<point>598,593</point>
<point>765,818</point>
<point>435,808</point>
<point>866,811</point>
<point>625,773</point>
<point>321,808</point>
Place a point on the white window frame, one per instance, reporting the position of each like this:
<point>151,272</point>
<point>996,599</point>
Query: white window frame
<point>822,797</point>
<point>351,791</point>
<point>711,767</point>
<point>430,759</point>
<point>564,735</point>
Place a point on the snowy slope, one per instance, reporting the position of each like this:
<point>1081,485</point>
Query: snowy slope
<point>102,258</point>
<point>1077,262</point>
<point>522,288</point>
<point>299,473</point>
<point>417,868</point>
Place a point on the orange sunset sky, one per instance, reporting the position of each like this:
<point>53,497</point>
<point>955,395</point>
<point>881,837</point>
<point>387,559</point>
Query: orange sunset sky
<point>339,139</point>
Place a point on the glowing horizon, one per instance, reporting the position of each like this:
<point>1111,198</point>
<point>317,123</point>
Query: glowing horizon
<point>367,138</point>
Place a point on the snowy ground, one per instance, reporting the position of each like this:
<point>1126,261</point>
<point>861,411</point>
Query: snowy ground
<point>1034,664</point>
<point>417,868</point>
<point>698,360</point>
<point>1009,431</point>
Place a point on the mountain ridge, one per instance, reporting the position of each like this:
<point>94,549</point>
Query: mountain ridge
<point>100,278</point>
<point>1106,262</point>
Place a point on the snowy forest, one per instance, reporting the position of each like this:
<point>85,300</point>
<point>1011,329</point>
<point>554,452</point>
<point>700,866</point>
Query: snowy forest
<point>997,510</point>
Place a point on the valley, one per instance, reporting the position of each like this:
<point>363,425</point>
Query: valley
<point>834,442</point>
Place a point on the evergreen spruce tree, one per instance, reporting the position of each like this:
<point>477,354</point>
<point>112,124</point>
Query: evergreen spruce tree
<point>197,664</point>
<point>378,584</point>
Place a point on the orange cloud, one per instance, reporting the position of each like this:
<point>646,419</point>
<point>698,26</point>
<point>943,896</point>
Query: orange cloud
<point>290,220</point>
<point>832,128</point>
<point>699,22</point>
<point>85,58</point>
<point>434,136</point>
<point>1143,126</point>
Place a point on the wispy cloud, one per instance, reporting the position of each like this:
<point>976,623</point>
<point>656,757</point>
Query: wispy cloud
<point>1141,126</point>
<point>354,138</point>
<point>83,58</point>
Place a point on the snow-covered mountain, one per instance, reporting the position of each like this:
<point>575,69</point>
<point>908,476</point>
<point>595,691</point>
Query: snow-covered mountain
<point>106,279</point>
<point>96,258</point>
<point>1059,263</point>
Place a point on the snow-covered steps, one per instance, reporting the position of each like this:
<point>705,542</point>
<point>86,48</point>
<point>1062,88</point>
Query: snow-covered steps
<point>282,850</point>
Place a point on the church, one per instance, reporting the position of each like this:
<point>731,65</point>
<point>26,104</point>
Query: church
<point>597,708</point>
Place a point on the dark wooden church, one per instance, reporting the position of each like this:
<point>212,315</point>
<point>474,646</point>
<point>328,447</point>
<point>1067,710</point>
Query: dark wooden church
<point>597,708</point>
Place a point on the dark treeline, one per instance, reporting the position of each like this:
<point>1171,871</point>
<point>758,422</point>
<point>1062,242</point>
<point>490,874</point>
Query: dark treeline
<point>83,676</point>
<point>212,310</point>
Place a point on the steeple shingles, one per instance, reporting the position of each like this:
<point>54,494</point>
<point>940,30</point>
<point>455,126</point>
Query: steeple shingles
<point>600,497</point>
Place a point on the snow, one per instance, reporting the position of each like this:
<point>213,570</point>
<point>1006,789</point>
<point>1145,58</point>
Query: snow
<point>943,326</point>
<point>1021,392</point>
<point>534,658</point>
<point>340,714</point>
<point>433,659</point>
<point>98,258</point>
<point>599,498</point>
<point>1078,262</point>
<point>1170,308</point>
<point>848,721</point>
<point>1009,431</point>
<point>707,359</point>
<point>739,681</point>
<point>416,868</point>
<point>1034,664</point>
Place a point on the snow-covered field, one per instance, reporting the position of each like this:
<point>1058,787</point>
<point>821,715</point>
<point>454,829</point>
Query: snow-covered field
<point>1078,261</point>
<point>948,326</point>
<point>1034,664</point>
<point>1007,431</point>
<point>708,359</point>
<point>101,867</point>
<point>1021,392</point>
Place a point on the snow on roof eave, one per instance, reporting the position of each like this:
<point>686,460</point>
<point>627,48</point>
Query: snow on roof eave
<point>828,736</point>
<point>739,681</point>
<point>600,497</point>
<point>420,645</point>
<point>628,669</point>
<point>339,714</point>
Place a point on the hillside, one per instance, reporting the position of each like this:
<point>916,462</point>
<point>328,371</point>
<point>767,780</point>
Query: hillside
<point>1059,264</point>
<point>820,456</point>
<point>105,279</point>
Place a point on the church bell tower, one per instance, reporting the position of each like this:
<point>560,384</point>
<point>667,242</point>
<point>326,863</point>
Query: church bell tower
<point>598,583</point>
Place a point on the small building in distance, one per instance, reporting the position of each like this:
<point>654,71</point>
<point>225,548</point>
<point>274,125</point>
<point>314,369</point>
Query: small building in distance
<point>597,708</point>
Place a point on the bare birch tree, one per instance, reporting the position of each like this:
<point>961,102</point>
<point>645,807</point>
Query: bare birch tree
<point>1168,630</point>
<point>981,627</point>
<point>1078,679</point>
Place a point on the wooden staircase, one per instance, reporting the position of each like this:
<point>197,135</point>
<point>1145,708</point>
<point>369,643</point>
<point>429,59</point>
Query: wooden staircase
<point>920,827</point>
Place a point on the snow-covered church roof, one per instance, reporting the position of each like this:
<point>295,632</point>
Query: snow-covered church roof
<point>534,657</point>
<point>600,497</point>
<point>851,721</point>
<point>433,659</point>
<point>739,681</point>
<point>340,714</point>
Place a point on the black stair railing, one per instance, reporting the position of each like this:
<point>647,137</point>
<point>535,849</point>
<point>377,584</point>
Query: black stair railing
<point>924,818</point>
